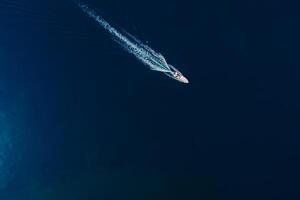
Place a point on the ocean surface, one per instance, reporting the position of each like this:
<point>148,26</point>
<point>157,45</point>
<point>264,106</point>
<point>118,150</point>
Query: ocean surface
<point>82,119</point>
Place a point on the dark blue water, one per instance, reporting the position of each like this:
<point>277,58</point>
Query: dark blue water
<point>82,119</point>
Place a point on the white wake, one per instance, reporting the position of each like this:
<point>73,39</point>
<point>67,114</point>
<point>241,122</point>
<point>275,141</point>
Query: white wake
<point>131,44</point>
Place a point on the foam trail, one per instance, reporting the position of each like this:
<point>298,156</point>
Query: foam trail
<point>131,44</point>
